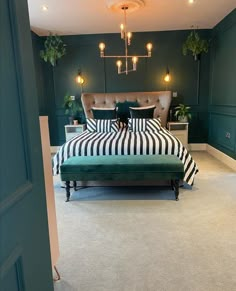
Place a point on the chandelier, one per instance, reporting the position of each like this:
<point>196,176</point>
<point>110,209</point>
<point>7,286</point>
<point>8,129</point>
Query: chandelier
<point>126,36</point>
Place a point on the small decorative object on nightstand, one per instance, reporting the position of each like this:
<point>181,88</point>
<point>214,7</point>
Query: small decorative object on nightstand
<point>73,130</point>
<point>179,130</point>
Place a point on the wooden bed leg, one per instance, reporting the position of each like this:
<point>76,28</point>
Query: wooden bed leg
<point>58,277</point>
<point>67,191</point>
<point>74,185</point>
<point>175,185</point>
<point>172,185</point>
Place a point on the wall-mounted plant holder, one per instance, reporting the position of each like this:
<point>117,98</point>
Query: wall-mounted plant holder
<point>195,45</point>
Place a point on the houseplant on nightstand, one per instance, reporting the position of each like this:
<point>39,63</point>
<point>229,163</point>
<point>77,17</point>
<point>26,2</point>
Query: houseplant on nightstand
<point>72,108</point>
<point>182,113</point>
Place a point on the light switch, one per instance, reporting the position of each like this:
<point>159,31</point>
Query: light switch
<point>175,94</point>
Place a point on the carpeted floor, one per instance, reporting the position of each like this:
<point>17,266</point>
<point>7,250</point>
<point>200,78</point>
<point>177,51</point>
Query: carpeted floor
<point>140,239</point>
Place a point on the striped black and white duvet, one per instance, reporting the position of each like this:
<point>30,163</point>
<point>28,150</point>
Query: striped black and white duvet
<point>124,142</point>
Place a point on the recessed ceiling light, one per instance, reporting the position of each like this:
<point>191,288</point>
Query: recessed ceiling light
<point>191,1</point>
<point>44,8</point>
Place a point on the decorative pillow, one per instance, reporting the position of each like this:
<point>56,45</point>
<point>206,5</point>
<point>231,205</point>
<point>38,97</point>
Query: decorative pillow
<point>142,112</point>
<point>123,110</point>
<point>142,124</point>
<point>104,113</point>
<point>102,125</point>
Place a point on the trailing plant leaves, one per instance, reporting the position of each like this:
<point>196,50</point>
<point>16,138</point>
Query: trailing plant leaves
<point>195,44</point>
<point>54,49</point>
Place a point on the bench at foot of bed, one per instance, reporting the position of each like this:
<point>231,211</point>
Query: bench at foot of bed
<point>122,168</point>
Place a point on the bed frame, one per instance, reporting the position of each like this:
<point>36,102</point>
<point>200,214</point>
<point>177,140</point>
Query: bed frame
<point>161,99</point>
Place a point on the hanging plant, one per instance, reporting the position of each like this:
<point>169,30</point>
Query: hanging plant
<point>195,45</point>
<point>54,49</point>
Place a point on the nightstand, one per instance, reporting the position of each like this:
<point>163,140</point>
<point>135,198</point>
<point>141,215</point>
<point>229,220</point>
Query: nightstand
<point>179,130</point>
<point>73,130</point>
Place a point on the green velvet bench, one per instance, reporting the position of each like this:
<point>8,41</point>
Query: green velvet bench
<point>122,168</point>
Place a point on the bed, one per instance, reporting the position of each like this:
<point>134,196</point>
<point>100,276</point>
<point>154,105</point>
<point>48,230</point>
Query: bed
<point>125,142</point>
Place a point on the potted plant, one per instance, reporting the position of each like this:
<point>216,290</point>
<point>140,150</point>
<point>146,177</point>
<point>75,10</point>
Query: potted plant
<point>73,109</point>
<point>195,45</point>
<point>54,49</point>
<point>182,113</point>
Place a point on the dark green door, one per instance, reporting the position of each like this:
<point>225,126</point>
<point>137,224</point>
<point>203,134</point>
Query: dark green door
<point>24,243</point>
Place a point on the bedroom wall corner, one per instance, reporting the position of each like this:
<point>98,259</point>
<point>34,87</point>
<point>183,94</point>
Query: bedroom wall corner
<point>222,101</point>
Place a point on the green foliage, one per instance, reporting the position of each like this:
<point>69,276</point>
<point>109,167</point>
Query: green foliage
<point>182,112</point>
<point>195,44</point>
<point>73,108</point>
<point>54,49</point>
<point>70,105</point>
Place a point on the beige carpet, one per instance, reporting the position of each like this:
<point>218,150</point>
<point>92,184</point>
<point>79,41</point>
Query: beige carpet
<point>140,239</point>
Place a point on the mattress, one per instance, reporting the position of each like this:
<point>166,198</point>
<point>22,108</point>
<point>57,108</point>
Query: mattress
<point>125,142</point>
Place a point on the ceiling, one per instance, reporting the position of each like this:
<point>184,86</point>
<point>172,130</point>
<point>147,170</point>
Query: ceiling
<point>93,16</point>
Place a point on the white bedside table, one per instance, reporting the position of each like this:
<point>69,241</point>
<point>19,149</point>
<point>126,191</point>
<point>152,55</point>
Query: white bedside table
<point>73,130</point>
<point>179,130</point>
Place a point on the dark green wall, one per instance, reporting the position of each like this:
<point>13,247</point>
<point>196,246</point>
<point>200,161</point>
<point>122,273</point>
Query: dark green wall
<point>45,87</point>
<point>222,97</point>
<point>101,75</point>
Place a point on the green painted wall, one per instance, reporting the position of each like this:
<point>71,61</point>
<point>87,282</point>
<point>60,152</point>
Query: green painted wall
<point>45,87</point>
<point>101,75</point>
<point>222,97</point>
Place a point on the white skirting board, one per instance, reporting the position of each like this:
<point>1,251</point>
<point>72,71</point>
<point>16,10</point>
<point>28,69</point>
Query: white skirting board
<point>230,162</point>
<point>193,147</point>
<point>225,159</point>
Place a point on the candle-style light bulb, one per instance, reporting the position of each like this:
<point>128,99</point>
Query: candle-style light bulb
<point>102,47</point>
<point>134,60</point>
<point>129,35</point>
<point>119,64</point>
<point>122,30</point>
<point>149,49</point>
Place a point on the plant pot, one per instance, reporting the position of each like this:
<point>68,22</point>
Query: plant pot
<point>197,57</point>
<point>183,119</point>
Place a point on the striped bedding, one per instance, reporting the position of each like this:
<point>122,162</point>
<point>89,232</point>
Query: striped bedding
<point>124,142</point>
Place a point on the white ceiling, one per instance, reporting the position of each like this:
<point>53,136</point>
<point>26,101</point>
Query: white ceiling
<point>92,16</point>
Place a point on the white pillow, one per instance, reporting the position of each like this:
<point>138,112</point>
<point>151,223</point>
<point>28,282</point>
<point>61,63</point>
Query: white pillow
<point>102,125</point>
<point>143,124</point>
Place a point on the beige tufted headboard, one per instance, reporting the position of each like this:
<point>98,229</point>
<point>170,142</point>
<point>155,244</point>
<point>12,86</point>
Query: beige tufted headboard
<point>161,99</point>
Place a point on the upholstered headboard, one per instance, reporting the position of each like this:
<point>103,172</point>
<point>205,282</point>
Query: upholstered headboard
<point>161,99</point>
